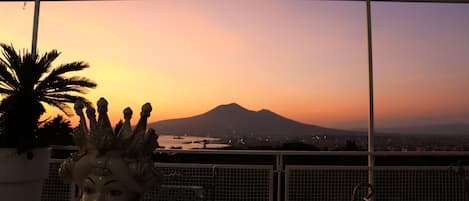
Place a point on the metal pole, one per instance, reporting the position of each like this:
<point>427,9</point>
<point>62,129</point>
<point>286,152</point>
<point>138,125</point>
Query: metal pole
<point>371,120</point>
<point>35,26</point>
<point>279,170</point>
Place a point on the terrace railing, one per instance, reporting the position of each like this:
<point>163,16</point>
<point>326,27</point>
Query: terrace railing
<point>294,176</point>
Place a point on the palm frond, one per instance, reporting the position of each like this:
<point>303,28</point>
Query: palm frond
<point>60,100</point>
<point>5,102</point>
<point>56,73</point>
<point>67,89</point>
<point>81,82</point>
<point>65,98</point>
<point>5,85</point>
<point>69,67</point>
<point>6,76</point>
<point>12,58</point>
<point>30,71</point>
<point>61,106</point>
<point>61,84</point>
<point>10,64</point>
<point>46,60</point>
<point>6,91</point>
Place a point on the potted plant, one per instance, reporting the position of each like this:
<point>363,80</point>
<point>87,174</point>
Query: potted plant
<point>26,82</point>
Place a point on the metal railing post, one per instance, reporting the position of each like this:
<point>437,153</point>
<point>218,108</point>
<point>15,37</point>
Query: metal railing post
<point>371,122</point>
<point>279,170</point>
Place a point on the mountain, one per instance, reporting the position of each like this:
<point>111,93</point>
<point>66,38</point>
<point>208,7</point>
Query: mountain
<point>235,120</point>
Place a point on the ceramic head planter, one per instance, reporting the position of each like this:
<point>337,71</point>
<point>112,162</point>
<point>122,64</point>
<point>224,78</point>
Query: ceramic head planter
<point>112,166</point>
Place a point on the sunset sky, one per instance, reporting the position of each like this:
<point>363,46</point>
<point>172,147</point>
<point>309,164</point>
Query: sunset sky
<point>306,60</point>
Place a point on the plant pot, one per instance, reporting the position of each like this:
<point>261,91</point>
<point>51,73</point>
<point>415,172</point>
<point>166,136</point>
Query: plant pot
<point>21,179</point>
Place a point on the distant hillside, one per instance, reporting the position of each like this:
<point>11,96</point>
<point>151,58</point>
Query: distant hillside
<point>443,129</point>
<point>436,129</point>
<point>234,120</point>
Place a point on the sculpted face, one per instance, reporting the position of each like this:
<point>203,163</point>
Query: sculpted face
<point>105,178</point>
<point>106,188</point>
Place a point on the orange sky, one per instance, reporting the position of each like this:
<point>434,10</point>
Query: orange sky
<point>304,60</point>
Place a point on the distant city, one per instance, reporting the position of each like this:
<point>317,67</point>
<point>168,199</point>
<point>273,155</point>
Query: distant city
<point>232,126</point>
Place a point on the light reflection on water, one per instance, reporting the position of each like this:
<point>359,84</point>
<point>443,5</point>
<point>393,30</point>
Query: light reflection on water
<point>188,142</point>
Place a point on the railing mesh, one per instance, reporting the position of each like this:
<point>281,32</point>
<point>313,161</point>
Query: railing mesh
<point>195,182</point>
<point>323,183</point>
<point>54,188</point>
<point>206,182</point>
<point>183,182</point>
<point>418,184</point>
<point>243,183</point>
<point>391,183</point>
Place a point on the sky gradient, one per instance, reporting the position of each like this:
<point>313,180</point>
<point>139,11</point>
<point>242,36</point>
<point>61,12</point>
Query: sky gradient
<point>306,60</point>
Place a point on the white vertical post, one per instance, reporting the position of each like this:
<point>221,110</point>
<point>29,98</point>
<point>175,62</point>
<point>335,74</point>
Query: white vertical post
<point>371,120</point>
<point>35,26</point>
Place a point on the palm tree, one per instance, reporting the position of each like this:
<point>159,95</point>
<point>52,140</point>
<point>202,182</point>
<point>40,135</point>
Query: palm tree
<point>26,82</point>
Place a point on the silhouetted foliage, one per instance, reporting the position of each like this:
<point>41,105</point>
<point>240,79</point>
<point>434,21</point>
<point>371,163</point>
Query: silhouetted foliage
<point>350,145</point>
<point>298,146</point>
<point>27,81</point>
<point>289,146</point>
<point>57,131</point>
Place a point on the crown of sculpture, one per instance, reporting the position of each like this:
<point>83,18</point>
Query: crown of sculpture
<point>109,157</point>
<point>101,137</point>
